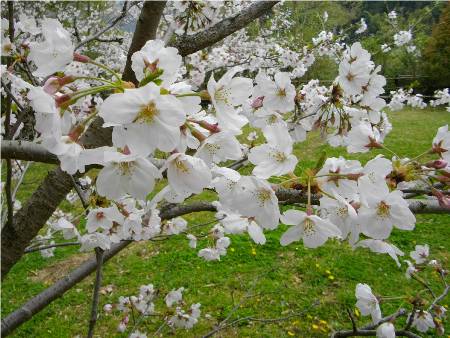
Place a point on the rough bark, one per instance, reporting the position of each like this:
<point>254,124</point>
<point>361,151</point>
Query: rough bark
<point>189,44</point>
<point>32,216</point>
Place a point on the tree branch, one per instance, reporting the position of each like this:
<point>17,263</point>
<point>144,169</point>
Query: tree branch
<point>96,36</point>
<point>95,296</point>
<point>189,44</point>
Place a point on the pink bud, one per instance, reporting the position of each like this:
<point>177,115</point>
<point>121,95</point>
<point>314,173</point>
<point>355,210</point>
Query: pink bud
<point>107,308</point>
<point>126,150</point>
<point>443,200</point>
<point>438,164</point>
<point>62,99</point>
<point>213,128</point>
<point>53,84</point>
<point>258,102</point>
<point>81,58</point>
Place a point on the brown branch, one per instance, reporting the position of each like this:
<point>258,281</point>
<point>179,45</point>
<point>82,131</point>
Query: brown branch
<point>56,245</point>
<point>29,151</point>
<point>95,296</point>
<point>189,44</point>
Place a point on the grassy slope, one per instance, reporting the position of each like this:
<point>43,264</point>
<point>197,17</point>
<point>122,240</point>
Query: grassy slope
<point>286,279</point>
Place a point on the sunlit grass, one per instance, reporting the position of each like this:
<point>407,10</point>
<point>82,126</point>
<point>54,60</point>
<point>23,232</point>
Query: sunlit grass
<point>288,279</point>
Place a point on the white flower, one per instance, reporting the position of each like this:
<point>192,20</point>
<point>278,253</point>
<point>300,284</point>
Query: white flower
<point>138,334</point>
<point>441,143</point>
<point>354,70</point>
<point>342,214</point>
<point>126,174</point>
<point>410,270</point>
<point>68,229</point>
<point>209,254</point>
<point>402,38</point>
<point>314,230</point>
<point>378,246</point>
<point>420,254</point>
<point>103,218</point>
<point>228,93</point>
<point>422,321</point>
<point>331,178</point>
<point>187,174</point>
<point>192,240</point>
<point>174,297</point>
<point>381,210</point>
<point>362,27</point>
<point>234,223</point>
<point>155,57</point>
<point>278,95</point>
<point>148,119</point>
<point>94,240</point>
<point>175,226</point>
<point>367,303</point>
<point>254,197</point>
<point>185,320</point>
<point>53,54</point>
<point>362,137</point>
<point>27,25</point>
<point>219,147</point>
<point>275,157</point>
<point>386,330</point>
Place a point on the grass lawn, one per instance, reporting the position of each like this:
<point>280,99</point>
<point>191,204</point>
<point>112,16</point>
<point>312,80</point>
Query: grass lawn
<point>269,281</point>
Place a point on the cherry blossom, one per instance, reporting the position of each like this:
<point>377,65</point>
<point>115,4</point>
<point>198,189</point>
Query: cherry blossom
<point>55,52</point>
<point>313,230</point>
<point>367,303</point>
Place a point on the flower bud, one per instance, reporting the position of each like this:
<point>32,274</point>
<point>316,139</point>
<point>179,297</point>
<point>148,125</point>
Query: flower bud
<point>258,102</point>
<point>107,308</point>
<point>63,100</point>
<point>53,83</point>
<point>81,58</point>
<point>213,128</point>
<point>443,200</point>
<point>438,164</point>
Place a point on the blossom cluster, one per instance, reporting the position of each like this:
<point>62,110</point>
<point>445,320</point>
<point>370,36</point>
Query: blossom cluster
<point>136,308</point>
<point>422,318</point>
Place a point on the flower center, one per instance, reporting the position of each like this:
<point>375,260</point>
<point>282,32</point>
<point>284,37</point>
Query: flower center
<point>308,227</point>
<point>281,92</point>
<point>147,113</point>
<point>383,210</point>
<point>278,156</point>
<point>125,168</point>
<point>222,95</point>
<point>263,195</point>
<point>181,166</point>
<point>212,148</point>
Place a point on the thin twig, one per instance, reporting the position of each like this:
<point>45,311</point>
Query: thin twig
<point>80,193</point>
<point>96,293</point>
<point>34,249</point>
<point>122,15</point>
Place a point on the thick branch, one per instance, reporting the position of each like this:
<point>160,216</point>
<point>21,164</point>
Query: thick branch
<point>189,44</point>
<point>32,216</point>
<point>27,151</point>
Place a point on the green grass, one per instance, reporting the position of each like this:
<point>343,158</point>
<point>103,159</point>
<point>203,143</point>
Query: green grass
<point>287,279</point>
